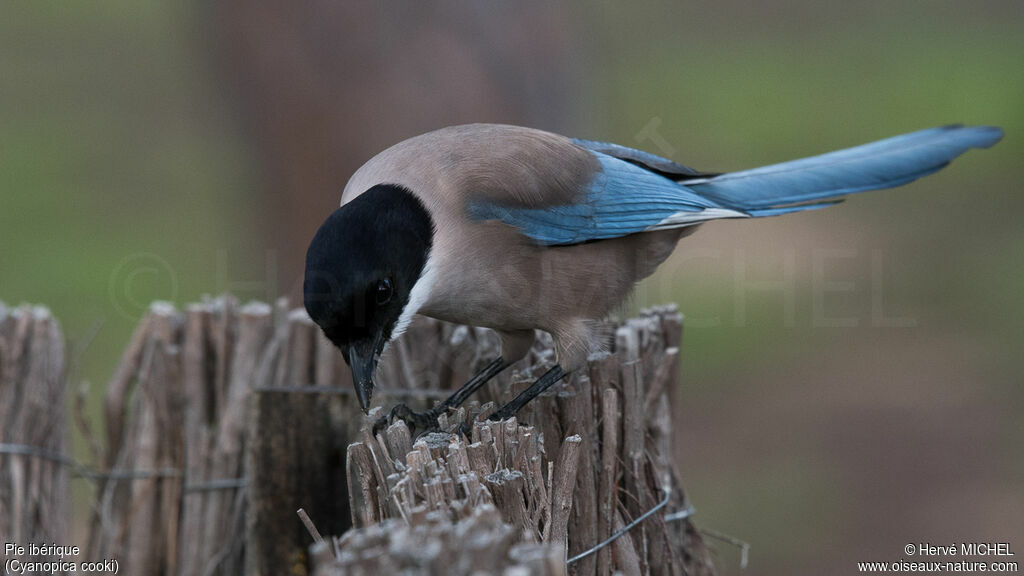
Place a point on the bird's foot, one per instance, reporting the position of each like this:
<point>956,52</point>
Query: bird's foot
<point>423,421</point>
<point>466,429</point>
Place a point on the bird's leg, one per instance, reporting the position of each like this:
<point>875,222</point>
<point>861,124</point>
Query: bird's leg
<point>428,420</point>
<point>543,383</point>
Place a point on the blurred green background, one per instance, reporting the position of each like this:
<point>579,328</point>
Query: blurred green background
<point>868,398</point>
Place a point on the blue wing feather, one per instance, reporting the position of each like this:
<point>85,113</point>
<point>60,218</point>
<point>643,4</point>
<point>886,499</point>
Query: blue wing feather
<point>621,199</point>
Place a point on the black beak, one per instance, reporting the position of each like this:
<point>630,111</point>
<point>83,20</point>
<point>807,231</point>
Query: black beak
<point>362,358</point>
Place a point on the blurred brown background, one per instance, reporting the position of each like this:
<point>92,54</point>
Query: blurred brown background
<point>853,376</point>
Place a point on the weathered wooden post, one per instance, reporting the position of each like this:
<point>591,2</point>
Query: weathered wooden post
<point>295,455</point>
<point>34,499</point>
<point>581,464</point>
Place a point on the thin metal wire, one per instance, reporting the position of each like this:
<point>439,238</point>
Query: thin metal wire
<point>89,473</point>
<point>122,474</point>
<point>43,453</point>
<point>349,391</point>
<point>624,530</point>
<point>742,545</point>
<point>681,514</point>
<point>222,484</point>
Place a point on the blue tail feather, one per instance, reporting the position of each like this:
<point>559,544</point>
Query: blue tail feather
<point>760,212</point>
<point>772,190</point>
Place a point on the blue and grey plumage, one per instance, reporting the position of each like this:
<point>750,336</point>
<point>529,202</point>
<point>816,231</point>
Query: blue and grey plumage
<point>531,230</point>
<point>634,191</point>
<point>621,199</point>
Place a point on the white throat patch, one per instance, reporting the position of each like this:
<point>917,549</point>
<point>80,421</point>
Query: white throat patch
<point>418,296</point>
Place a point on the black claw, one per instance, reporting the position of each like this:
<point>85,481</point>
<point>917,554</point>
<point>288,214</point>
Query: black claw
<point>381,424</point>
<point>425,421</point>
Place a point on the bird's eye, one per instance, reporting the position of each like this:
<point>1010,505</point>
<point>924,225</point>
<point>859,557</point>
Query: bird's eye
<point>384,291</point>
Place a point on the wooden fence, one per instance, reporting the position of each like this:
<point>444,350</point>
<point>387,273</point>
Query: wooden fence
<point>222,420</point>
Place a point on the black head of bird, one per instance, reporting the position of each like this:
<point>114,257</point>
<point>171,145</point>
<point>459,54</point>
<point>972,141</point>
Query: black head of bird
<point>360,270</point>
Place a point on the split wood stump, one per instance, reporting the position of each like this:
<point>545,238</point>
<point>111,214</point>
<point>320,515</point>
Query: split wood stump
<point>580,463</point>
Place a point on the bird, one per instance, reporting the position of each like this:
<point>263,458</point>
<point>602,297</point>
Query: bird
<point>518,230</point>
